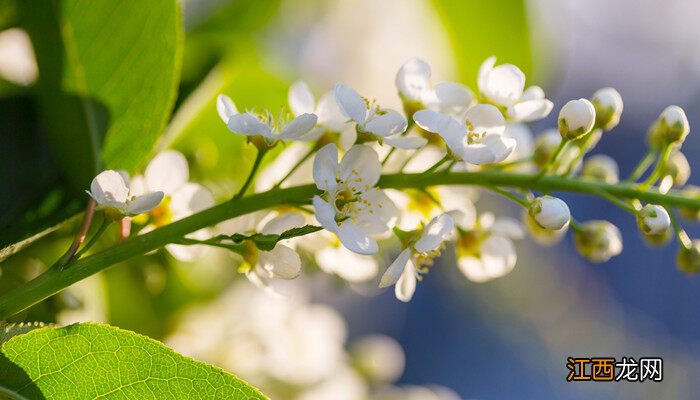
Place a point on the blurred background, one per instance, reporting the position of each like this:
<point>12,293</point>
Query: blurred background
<point>507,338</point>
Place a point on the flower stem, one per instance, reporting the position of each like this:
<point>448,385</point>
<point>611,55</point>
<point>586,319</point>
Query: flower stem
<point>256,164</point>
<point>660,165</point>
<point>388,155</point>
<point>296,166</point>
<point>55,280</point>
<point>643,165</point>
<point>682,236</point>
<point>105,224</point>
<point>80,236</point>
<point>437,165</point>
<point>553,158</point>
<point>583,149</point>
<point>510,196</point>
<point>623,205</point>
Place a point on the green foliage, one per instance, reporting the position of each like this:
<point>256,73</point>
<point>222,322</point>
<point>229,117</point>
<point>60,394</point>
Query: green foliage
<point>91,360</point>
<point>480,29</point>
<point>108,75</point>
<point>267,242</point>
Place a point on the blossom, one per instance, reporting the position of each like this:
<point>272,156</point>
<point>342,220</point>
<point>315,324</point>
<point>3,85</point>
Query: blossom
<point>676,124</point>
<point>576,118</point>
<point>653,219</point>
<point>484,247</point>
<point>264,126</point>
<point>374,123</point>
<point>409,265</point>
<point>413,82</point>
<point>330,120</point>
<point>504,86</point>
<point>351,206</point>
<point>477,140</point>
<point>110,190</point>
<point>608,107</point>
<point>168,173</point>
<point>598,240</point>
<point>378,357</point>
<point>550,212</point>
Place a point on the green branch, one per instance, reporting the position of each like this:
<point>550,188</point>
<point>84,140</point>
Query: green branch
<point>53,280</point>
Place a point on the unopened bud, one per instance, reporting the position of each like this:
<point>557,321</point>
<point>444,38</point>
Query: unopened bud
<point>608,107</point>
<point>653,219</point>
<point>688,259</point>
<point>598,241</point>
<point>675,124</point>
<point>658,239</point>
<point>691,213</point>
<point>379,358</point>
<point>541,235</point>
<point>602,168</point>
<point>576,118</point>
<point>676,172</point>
<point>550,212</point>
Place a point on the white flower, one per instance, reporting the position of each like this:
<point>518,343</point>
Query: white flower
<point>110,190</point>
<point>608,107</point>
<point>653,219</point>
<point>504,86</point>
<point>485,249</point>
<point>576,118</point>
<point>375,123</point>
<point>350,266</point>
<point>598,240</point>
<point>378,357</point>
<point>413,83</point>
<point>676,123</point>
<point>351,206</point>
<point>265,126</point>
<point>169,174</point>
<point>282,262</point>
<point>477,140</point>
<point>550,212</point>
<point>413,261</point>
<point>330,119</point>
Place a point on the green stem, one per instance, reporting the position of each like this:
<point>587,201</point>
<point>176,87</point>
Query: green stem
<point>437,165</point>
<point>297,165</point>
<point>388,155</point>
<point>256,164</point>
<point>53,281</point>
<point>660,165</point>
<point>623,205</point>
<point>105,224</point>
<point>583,149</point>
<point>553,158</point>
<point>511,196</point>
<point>681,234</point>
<point>643,166</point>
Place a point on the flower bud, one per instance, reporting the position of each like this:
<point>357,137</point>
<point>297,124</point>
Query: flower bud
<point>653,219</point>
<point>690,213</point>
<point>658,239</point>
<point>598,241</point>
<point>550,212</point>
<point>541,235</point>
<point>602,168</point>
<point>379,358</point>
<point>688,259</point>
<point>676,172</point>
<point>545,145</point>
<point>608,107</point>
<point>675,124</point>
<point>576,118</point>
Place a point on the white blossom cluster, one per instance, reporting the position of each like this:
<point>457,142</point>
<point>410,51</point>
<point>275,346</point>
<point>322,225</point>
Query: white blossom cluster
<point>444,127</point>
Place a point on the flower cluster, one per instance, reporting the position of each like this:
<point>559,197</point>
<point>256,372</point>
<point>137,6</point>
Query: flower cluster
<point>345,142</point>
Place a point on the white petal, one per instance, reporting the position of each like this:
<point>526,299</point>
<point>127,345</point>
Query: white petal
<point>109,189</point>
<point>388,124</point>
<point>137,186</point>
<point>298,126</point>
<point>435,233</point>
<point>329,114</point>
<point>189,253</point>
<point>282,262</point>
<point>167,172</point>
<point>508,227</point>
<point>498,255</point>
<point>413,78</point>
<point>249,125</point>
<point>326,167</point>
<point>406,142</point>
<point>526,111</point>
<point>450,130</point>
<point>360,167</point>
<point>125,176</point>
<point>504,84</point>
<point>263,283</point>
<point>406,285</point>
<point>532,93</point>
<point>225,107</point>
<point>283,223</point>
<point>486,118</point>
<point>500,146</point>
<point>464,218</point>
<point>325,214</point>
<point>351,104</point>
<point>189,199</point>
<point>393,273</point>
<point>346,264</point>
<point>477,154</point>
<point>356,240</point>
<point>474,269</point>
<point>143,203</point>
<point>449,98</point>
<point>301,100</point>
<point>484,71</point>
<point>379,215</point>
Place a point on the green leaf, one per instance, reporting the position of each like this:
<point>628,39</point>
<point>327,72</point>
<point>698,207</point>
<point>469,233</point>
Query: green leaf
<point>480,29</point>
<point>108,77</point>
<point>90,360</point>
